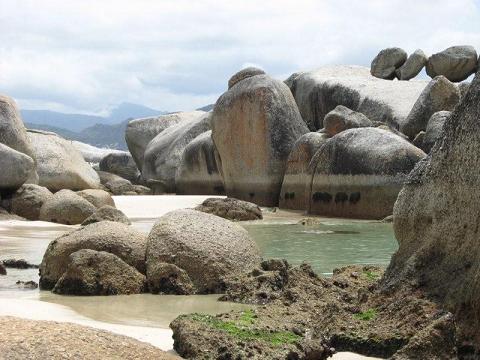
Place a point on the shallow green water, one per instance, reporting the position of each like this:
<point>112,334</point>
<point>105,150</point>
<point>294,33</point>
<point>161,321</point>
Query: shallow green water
<point>328,245</point>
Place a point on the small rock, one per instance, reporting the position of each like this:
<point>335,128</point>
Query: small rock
<point>3,270</point>
<point>342,118</point>
<point>231,209</point>
<point>18,264</point>
<point>32,285</point>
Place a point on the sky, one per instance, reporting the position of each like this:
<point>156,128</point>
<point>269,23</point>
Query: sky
<point>88,56</point>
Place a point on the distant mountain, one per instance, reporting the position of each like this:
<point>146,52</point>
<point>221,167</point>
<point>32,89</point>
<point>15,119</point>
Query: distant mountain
<point>207,108</point>
<point>79,122</point>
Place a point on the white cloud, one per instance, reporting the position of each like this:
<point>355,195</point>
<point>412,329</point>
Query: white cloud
<point>178,54</point>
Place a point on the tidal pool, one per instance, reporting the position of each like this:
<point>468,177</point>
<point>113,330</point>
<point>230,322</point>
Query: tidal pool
<point>327,244</point>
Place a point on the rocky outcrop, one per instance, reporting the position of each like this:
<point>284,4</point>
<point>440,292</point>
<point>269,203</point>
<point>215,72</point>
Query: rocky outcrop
<point>164,153</point>
<point>28,200</point>
<point>122,165</point>
<point>231,209</point>
<point>13,133</point>
<point>116,238</point>
<point>294,187</point>
<point>97,197</point>
<point>66,207</point>
<point>91,272</point>
<point>387,62</point>
<point>198,173</point>
<point>412,67</point>
<point>319,91</point>
<point>440,94</point>
<point>455,63</point>
<point>243,74</point>
<point>60,165</point>
<point>107,213</point>
<point>342,118</point>
<point>254,127</point>
<point>359,172</point>
<point>436,223</point>
<point>16,168</point>
<point>434,129</point>
<point>140,132</point>
<point>463,87</point>
<point>205,246</point>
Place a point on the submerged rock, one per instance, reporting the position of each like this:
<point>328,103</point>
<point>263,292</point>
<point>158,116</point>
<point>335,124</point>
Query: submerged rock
<point>436,223</point>
<point>30,285</point>
<point>254,126</point>
<point>387,62</point>
<point>199,173</point>
<point>205,246</point>
<point>18,264</point>
<point>359,172</point>
<point>116,238</point>
<point>107,213</point>
<point>231,209</point>
<point>456,63</point>
<point>296,179</point>
<point>66,207</point>
<point>91,272</point>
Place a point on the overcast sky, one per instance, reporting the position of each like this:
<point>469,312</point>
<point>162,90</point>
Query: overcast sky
<point>88,55</point>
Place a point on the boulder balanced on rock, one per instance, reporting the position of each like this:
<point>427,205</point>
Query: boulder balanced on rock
<point>254,126</point>
<point>387,62</point>
<point>359,172</point>
<point>342,118</point>
<point>412,67</point>
<point>455,63</point>
<point>436,223</point>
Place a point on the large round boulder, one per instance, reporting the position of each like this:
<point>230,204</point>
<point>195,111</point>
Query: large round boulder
<point>254,127</point>
<point>97,197</point>
<point>60,165</point>
<point>16,168</point>
<point>359,172</point>
<point>164,153</point>
<point>297,177</point>
<point>436,221</point>
<point>91,272</point>
<point>116,238</point>
<point>198,173</point>
<point>122,165</point>
<point>412,67</point>
<point>434,129</point>
<point>386,62</point>
<point>206,247</point>
<point>319,91</point>
<point>231,209</point>
<point>28,200</point>
<point>439,95</point>
<point>66,207</point>
<point>342,118</point>
<point>455,63</point>
<point>13,132</point>
<point>140,132</point>
<point>107,213</point>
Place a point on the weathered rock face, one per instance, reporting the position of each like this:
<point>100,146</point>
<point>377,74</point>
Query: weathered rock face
<point>455,63</point>
<point>231,209</point>
<point>359,172</point>
<point>386,62</point>
<point>91,272</point>
<point>440,94</point>
<point>342,118</point>
<point>107,213</point>
<point>319,91</point>
<point>412,67</point>
<point>164,278</point>
<point>140,132</point>
<point>115,238</point>
<point>463,87</point>
<point>16,168</point>
<point>122,165</point>
<point>66,207</point>
<point>297,177</point>
<point>434,129</point>
<point>97,197</point>
<point>254,127</point>
<point>205,246</point>
<point>198,173</point>
<point>243,74</point>
<point>28,200</point>
<point>436,221</point>
<point>164,153</point>
<point>13,132</point>
<point>60,165</point>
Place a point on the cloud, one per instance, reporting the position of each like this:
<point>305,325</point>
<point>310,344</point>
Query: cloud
<point>177,54</point>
